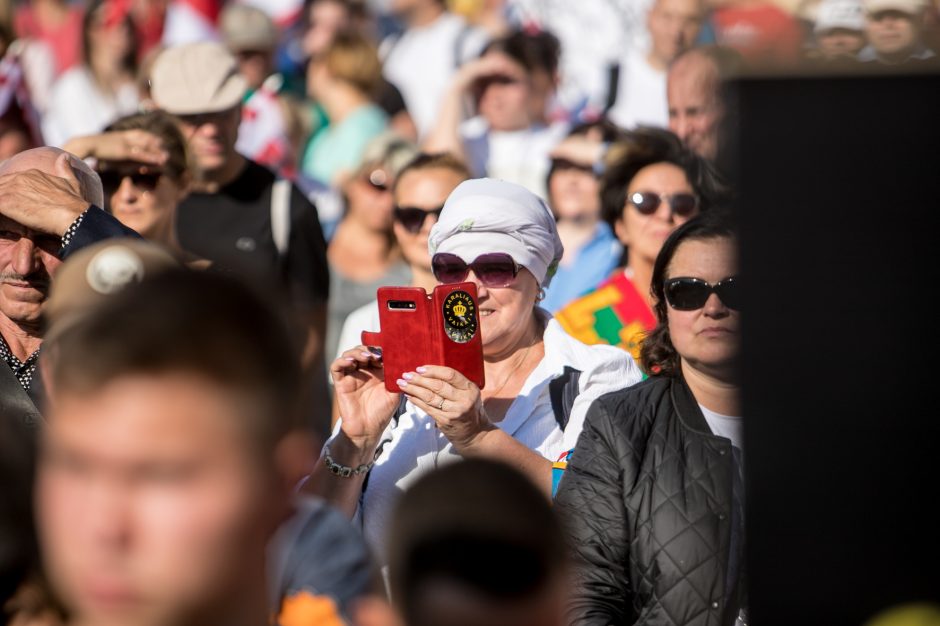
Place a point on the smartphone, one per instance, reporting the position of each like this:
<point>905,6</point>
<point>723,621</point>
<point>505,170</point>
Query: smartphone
<point>440,328</point>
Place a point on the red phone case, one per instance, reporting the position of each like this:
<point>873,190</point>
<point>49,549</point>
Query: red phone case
<point>442,328</point>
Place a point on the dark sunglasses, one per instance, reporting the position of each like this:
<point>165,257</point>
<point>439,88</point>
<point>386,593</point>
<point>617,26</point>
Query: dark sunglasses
<point>681,204</point>
<point>413,218</point>
<point>691,294</point>
<point>145,181</point>
<point>495,269</point>
<point>559,165</point>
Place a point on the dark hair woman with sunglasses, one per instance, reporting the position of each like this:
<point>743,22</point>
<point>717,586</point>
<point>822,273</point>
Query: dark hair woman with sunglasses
<point>145,172</point>
<point>652,495</point>
<point>539,380</point>
<point>652,184</point>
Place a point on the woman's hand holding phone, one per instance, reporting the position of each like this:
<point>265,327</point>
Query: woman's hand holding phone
<point>366,407</point>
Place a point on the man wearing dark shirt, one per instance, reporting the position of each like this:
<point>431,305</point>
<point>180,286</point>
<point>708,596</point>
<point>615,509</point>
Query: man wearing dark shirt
<point>240,216</point>
<point>49,203</point>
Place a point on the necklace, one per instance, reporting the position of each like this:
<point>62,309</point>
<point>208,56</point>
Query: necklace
<point>525,355</point>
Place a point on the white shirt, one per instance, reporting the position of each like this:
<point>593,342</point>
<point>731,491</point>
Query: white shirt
<point>416,447</point>
<point>641,93</point>
<point>421,62</point>
<point>77,106</point>
<point>519,156</point>
<point>725,426</point>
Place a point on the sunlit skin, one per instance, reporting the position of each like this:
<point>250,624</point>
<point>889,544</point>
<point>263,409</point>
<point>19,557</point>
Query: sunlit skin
<point>423,189</point>
<point>708,339</point>
<point>152,213</point>
<point>326,19</point>
<point>892,33</point>
<point>840,42</point>
<point>212,138</point>
<point>153,504</point>
<point>574,194</point>
<point>505,103</point>
<point>644,235</point>
<point>28,261</point>
<point>673,26</point>
<point>695,110</point>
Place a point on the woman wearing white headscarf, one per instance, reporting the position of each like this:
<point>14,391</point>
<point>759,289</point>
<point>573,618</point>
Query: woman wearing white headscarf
<point>501,237</point>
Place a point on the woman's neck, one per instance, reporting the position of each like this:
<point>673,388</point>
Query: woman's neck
<point>360,253</point>
<point>341,100</point>
<point>423,277</point>
<point>715,393</point>
<point>108,73</point>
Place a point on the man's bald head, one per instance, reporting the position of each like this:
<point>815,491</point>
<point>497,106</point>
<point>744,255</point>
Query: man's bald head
<point>44,159</point>
<point>693,91</point>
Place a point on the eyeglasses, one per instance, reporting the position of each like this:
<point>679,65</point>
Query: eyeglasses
<point>560,165</point>
<point>681,204</point>
<point>145,181</point>
<point>495,269</point>
<point>691,294</point>
<point>413,218</point>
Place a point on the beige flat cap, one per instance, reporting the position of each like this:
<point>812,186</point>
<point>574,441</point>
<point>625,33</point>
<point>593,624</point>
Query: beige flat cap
<point>196,78</point>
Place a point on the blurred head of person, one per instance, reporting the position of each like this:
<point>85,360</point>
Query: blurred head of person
<point>350,64</point>
<point>839,28</point>
<point>419,194</point>
<point>157,485</point>
<point>28,258</point>
<point>519,98</point>
<point>409,11</point>
<point>503,238</point>
<point>696,301</point>
<point>368,191</point>
<point>201,86</point>
<point>693,91</point>
<point>144,196</point>
<point>451,529</point>
<point>249,34</point>
<point>109,40</point>
<point>894,27</point>
<point>673,26</point>
<point>323,19</point>
<point>573,184</point>
<point>653,184</point>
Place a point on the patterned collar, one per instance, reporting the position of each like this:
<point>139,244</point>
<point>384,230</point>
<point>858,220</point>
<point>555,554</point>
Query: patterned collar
<point>23,370</point>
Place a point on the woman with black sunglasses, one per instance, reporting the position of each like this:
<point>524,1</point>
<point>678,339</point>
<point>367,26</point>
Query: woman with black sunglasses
<point>143,163</point>
<point>652,495</point>
<point>539,380</point>
<point>652,185</point>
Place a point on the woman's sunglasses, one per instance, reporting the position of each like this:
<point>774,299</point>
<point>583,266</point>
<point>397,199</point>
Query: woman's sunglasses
<point>413,218</point>
<point>681,204</point>
<point>145,181</point>
<point>495,269</point>
<point>691,294</point>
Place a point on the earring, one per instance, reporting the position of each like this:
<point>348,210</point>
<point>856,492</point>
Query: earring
<point>540,295</point>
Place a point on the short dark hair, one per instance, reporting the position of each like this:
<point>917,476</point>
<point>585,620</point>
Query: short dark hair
<point>658,356</point>
<point>645,146</point>
<point>458,522</point>
<point>534,51</point>
<point>204,323</point>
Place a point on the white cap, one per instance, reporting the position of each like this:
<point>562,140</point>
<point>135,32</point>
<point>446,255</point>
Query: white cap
<point>845,14</point>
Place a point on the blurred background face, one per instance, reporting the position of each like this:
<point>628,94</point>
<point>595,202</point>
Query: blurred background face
<point>326,18</point>
<point>369,198</point>
<point>255,65</point>
<point>427,190</point>
<point>504,100</point>
<point>706,339</point>
<point>211,137</point>
<point>673,26</point>
<point>644,235</point>
<point>573,190</point>
<point>142,197</point>
<point>694,108</point>
<point>151,502</point>
<point>109,41</point>
<point>838,42</point>
<point>891,32</point>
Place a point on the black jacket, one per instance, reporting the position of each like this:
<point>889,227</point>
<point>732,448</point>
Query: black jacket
<point>647,501</point>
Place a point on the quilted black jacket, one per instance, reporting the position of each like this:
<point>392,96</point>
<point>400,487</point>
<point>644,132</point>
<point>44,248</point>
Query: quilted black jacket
<point>647,500</point>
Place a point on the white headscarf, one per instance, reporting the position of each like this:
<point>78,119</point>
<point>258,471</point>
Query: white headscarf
<point>487,215</point>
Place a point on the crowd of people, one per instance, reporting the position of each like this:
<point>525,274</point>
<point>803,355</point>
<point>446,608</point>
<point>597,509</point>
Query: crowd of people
<point>198,203</point>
